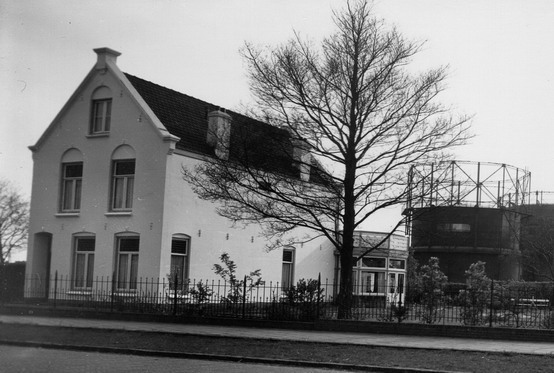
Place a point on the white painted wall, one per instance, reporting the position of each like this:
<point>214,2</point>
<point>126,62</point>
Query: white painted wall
<point>70,131</point>
<point>163,202</point>
<point>212,235</point>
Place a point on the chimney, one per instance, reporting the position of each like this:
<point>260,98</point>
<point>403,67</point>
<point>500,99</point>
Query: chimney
<point>219,132</point>
<point>105,55</point>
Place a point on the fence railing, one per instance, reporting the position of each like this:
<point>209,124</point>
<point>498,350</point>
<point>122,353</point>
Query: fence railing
<point>498,304</point>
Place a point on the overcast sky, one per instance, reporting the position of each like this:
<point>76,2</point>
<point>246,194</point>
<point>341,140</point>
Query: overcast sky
<point>500,53</point>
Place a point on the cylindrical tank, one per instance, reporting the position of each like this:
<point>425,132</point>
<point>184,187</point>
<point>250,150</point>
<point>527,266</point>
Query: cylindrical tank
<point>463,212</point>
<point>460,236</point>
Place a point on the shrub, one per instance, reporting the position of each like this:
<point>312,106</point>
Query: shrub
<point>305,299</point>
<point>305,291</point>
<point>201,293</point>
<point>431,281</point>
<point>393,312</point>
<point>548,321</point>
<point>227,271</point>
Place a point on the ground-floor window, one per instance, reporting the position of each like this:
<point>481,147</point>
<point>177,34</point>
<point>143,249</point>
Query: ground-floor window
<point>127,262</point>
<point>372,276</point>
<point>83,262</point>
<point>180,247</point>
<point>287,275</point>
<point>372,282</point>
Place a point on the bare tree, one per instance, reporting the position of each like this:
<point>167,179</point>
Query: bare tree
<point>14,221</point>
<point>350,119</point>
<point>537,249</point>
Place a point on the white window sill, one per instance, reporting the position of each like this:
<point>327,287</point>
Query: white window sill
<point>79,293</point>
<point>100,134</point>
<point>119,213</point>
<point>67,214</point>
<point>125,293</point>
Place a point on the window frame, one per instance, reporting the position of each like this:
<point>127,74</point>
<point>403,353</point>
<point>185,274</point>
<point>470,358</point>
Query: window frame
<point>85,280</point>
<point>127,192</point>
<point>377,284</point>
<point>184,265</point>
<point>287,283</point>
<point>366,259</point>
<point>105,105</point>
<point>393,266</point>
<point>454,227</point>
<point>76,183</point>
<point>129,282</point>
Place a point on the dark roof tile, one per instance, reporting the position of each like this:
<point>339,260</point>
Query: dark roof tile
<point>252,141</point>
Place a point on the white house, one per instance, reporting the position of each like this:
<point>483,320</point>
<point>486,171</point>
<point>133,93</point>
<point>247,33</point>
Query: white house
<point>108,197</point>
<point>109,201</point>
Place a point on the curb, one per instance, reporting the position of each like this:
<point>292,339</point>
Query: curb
<point>235,359</point>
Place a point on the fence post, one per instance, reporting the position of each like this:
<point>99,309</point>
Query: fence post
<point>400,292</point>
<point>112,295</point>
<point>491,305</point>
<point>175,284</point>
<point>55,287</point>
<point>244,297</point>
<point>3,284</point>
<point>317,294</point>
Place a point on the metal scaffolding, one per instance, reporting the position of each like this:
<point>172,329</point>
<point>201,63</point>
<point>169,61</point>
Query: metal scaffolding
<point>468,183</point>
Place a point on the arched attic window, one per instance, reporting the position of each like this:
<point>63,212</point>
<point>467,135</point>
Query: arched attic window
<point>72,181</point>
<point>101,111</point>
<point>123,178</point>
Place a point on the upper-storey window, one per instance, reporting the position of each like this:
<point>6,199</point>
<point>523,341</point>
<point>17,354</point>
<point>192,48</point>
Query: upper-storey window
<point>71,186</point>
<point>101,111</point>
<point>123,181</point>
<point>101,116</point>
<point>71,181</point>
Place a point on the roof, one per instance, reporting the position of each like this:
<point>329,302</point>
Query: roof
<point>258,143</point>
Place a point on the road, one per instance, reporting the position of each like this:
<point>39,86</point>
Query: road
<point>38,360</point>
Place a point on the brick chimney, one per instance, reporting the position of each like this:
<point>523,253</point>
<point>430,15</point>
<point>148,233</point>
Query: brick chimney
<point>219,132</point>
<point>105,55</point>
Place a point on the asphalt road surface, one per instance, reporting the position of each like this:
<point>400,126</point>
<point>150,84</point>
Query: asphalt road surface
<point>37,360</point>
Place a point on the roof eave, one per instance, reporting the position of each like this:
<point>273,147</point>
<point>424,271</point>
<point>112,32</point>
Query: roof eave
<point>159,127</point>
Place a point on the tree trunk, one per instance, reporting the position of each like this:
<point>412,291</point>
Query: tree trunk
<point>345,291</point>
<point>345,297</point>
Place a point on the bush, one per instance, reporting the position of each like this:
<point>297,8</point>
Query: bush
<point>305,291</point>
<point>431,281</point>
<point>393,312</point>
<point>227,271</point>
<point>476,297</point>
<point>303,301</point>
<point>548,321</point>
<point>201,293</point>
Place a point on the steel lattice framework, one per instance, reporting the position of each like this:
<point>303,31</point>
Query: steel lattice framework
<point>468,183</point>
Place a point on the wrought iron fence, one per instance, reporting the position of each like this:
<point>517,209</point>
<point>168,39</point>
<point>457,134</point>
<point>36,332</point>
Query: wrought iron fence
<point>499,304</point>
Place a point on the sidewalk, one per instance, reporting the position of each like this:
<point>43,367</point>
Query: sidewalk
<point>385,340</point>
